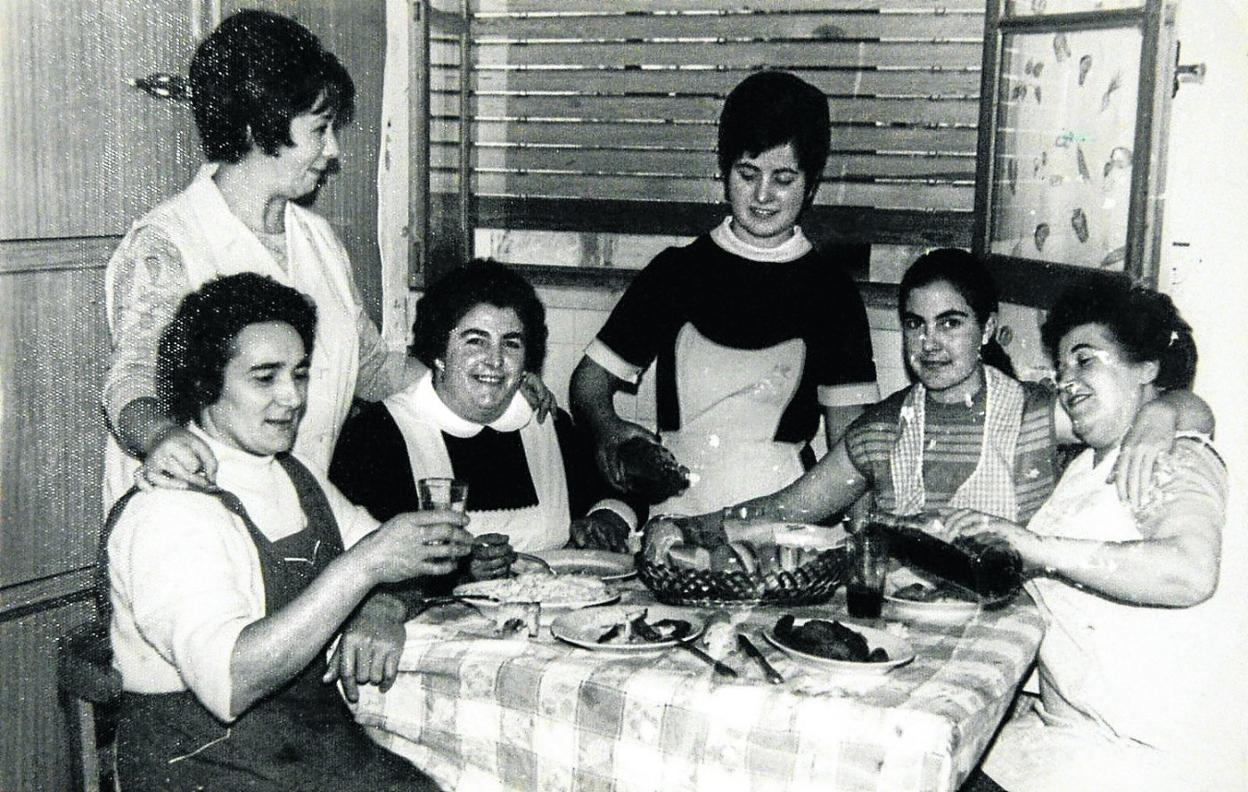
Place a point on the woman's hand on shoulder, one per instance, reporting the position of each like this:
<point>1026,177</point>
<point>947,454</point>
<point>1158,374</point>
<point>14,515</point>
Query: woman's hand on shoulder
<point>178,460</point>
<point>538,395</point>
<point>1145,445</point>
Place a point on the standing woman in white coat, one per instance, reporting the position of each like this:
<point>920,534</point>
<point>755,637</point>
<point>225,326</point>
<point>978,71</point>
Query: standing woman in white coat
<point>269,101</point>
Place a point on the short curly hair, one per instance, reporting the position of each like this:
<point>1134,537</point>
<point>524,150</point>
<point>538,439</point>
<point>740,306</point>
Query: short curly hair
<point>482,281</point>
<point>771,108</point>
<point>1145,324</point>
<point>200,341</point>
<point>256,72</point>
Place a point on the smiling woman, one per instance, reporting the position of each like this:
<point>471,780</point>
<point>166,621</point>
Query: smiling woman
<point>222,602</point>
<point>269,100</point>
<point>481,329</point>
<point>1130,591</point>
<point>966,435</point>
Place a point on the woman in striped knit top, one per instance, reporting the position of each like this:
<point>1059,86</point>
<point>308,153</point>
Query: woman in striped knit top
<point>966,434</point>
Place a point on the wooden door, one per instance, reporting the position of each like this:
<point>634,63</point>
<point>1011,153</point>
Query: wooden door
<point>81,156</point>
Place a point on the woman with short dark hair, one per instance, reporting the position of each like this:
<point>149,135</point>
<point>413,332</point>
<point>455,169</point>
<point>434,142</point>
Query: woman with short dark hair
<point>269,100</point>
<point>479,329</point>
<point>1134,671</point>
<point>966,434</point>
<point>754,335</point>
<point>222,603</point>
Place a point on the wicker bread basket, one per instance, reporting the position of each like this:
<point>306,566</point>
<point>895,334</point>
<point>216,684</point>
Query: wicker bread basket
<point>811,583</point>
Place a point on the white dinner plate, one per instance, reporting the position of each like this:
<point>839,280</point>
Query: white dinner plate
<point>601,564</point>
<point>583,628</point>
<point>552,599</point>
<point>899,650</point>
<point>942,611</point>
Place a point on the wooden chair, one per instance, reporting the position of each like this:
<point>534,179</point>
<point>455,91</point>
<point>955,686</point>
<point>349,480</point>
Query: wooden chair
<point>89,689</point>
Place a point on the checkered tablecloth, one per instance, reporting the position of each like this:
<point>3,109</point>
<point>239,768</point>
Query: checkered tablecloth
<point>482,714</point>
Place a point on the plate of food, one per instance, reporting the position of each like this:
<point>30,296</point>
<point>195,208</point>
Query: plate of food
<point>615,629</point>
<point>836,646</point>
<point>601,564</point>
<point>940,602</point>
<point>911,596</point>
<point>552,592</point>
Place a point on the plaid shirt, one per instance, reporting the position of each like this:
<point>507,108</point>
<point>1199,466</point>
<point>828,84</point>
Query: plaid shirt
<point>480,714</point>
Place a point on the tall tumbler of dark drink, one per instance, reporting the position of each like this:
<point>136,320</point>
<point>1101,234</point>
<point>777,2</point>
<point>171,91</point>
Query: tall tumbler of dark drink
<point>864,592</point>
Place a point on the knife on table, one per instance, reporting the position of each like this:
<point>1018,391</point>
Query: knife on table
<point>649,633</point>
<point>769,671</point>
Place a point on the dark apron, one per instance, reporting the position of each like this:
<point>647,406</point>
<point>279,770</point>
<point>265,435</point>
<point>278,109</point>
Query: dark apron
<point>301,737</point>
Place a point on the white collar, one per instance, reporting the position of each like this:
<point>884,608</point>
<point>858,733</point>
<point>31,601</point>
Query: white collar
<point>422,400</point>
<point>792,249</point>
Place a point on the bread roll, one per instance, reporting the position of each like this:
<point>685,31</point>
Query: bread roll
<point>689,556</point>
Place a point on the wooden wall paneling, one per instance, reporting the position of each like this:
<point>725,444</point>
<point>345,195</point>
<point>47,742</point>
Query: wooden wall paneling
<point>53,352</point>
<point>82,153</point>
<point>33,744</point>
<point>355,31</point>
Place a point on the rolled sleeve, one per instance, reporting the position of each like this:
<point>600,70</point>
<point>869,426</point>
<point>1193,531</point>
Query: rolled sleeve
<point>148,280</point>
<point>383,371</point>
<point>193,584</point>
<point>849,395</point>
<point>606,357</point>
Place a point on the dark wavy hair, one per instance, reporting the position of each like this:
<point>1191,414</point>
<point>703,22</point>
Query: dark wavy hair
<point>200,341</point>
<point>482,281</point>
<point>256,72</point>
<point>1145,324</point>
<point>771,108</point>
<point>969,278</point>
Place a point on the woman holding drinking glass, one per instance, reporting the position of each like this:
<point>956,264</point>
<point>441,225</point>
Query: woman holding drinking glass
<point>479,329</point>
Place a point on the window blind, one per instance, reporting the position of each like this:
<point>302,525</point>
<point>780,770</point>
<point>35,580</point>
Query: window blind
<point>601,116</point>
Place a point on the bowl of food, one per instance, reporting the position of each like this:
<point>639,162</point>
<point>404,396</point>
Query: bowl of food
<point>686,561</point>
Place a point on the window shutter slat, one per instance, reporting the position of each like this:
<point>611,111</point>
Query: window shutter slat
<point>579,99</point>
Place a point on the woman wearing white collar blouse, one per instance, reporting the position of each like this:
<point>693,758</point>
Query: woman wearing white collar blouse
<point>479,329</point>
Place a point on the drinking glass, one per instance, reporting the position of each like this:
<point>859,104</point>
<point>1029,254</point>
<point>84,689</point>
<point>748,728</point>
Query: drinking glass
<point>442,493</point>
<point>865,590</point>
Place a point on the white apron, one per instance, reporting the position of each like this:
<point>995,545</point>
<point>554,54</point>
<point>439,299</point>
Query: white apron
<point>422,417</point>
<point>213,242</point>
<point>731,402</point>
<point>1125,690</point>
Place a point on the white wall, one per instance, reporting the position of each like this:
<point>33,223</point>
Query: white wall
<point>1205,269</point>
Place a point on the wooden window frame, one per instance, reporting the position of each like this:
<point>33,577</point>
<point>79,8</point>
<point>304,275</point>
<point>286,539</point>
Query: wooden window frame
<point>1035,282</point>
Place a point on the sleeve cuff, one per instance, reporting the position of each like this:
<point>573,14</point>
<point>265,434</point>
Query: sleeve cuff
<point>621,509</point>
<point>606,357</point>
<point>849,395</point>
<point>209,677</point>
